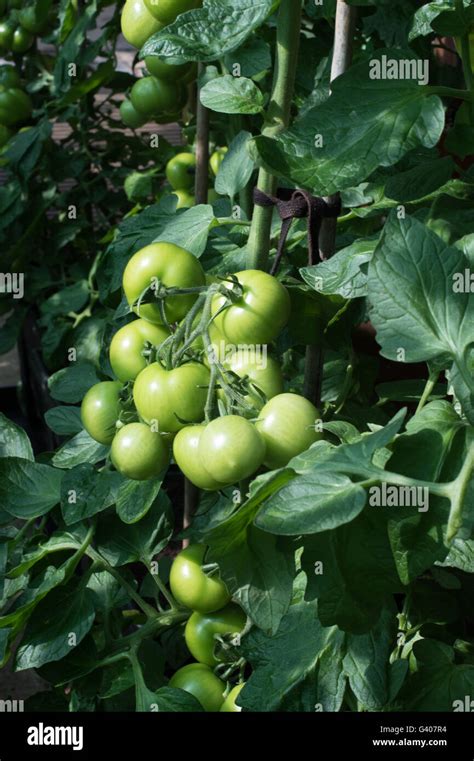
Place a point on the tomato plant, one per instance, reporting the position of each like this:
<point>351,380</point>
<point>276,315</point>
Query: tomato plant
<point>237,266</point>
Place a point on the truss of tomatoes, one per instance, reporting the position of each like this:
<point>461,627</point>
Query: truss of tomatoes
<point>157,409</point>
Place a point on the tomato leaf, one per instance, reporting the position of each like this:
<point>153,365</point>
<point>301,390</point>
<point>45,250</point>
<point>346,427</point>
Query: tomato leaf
<point>391,117</point>
<point>65,421</point>
<point>210,32</point>
<point>298,669</point>
<point>13,440</point>
<point>28,489</point>
<point>86,492</point>
<point>58,624</point>
<point>82,448</point>
<point>72,383</point>
<point>237,167</point>
<point>232,95</point>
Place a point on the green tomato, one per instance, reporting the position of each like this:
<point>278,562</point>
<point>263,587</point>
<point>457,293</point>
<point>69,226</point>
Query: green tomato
<point>200,681</point>
<point>185,199</point>
<point>181,170</point>
<point>186,455</point>
<point>166,71</point>
<point>229,705</point>
<point>231,449</point>
<point>151,96</point>
<point>5,134</point>
<point>168,265</point>
<point>287,425</point>
<point>32,20</point>
<point>7,30</point>
<point>15,106</point>
<point>216,160</point>
<point>167,11</point>
<point>130,116</point>
<point>139,453</point>
<point>9,77</point>
<point>201,629</point>
<point>262,371</point>
<point>22,40</point>
<point>137,23</point>
<point>258,315</point>
<point>127,345</point>
<point>100,410</point>
<point>193,588</point>
<point>169,397</point>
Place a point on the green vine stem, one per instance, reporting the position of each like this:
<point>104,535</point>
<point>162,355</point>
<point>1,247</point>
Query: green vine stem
<point>342,56</point>
<point>459,488</point>
<point>202,146</point>
<point>277,118</point>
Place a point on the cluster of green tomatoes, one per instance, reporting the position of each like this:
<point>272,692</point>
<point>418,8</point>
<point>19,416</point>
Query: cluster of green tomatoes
<point>214,618</point>
<point>162,93</point>
<point>15,104</point>
<point>21,22</point>
<point>180,173</point>
<point>195,377</point>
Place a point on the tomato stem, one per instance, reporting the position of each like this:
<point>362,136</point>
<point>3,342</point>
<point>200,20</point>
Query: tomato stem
<point>277,118</point>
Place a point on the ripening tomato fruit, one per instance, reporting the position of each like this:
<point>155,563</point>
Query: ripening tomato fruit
<point>137,23</point>
<point>126,357</point>
<point>138,452</point>
<point>6,35</point>
<point>100,411</point>
<point>9,77</point>
<point>185,200</point>
<point>201,628</point>
<point>258,315</point>
<point>163,70</point>
<point>151,96</point>
<point>21,40</point>
<point>229,705</point>
<point>130,116</point>
<point>262,371</point>
<point>172,398</point>
<point>15,106</point>
<point>231,449</point>
<point>216,160</point>
<point>200,681</point>
<point>167,11</point>
<point>192,587</point>
<point>287,424</point>
<point>168,265</point>
<point>181,170</point>
<point>33,20</point>
<point>186,455</point>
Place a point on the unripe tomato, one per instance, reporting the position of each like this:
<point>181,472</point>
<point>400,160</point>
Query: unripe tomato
<point>130,116</point>
<point>9,77</point>
<point>6,35</point>
<point>287,425</point>
<point>200,681</point>
<point>186,454</point>
<point>185,199</point>
<point>231,449</point>
<point>100,410</point>
<point>171,396</point>
<point>181,170</point>
<point>15,106</point>
<point>191,586</point>
<point>137,23</point>
<point>169,265</point>
<point>201,629</point>
<point>258,315</point>
<point>127,345</point>
<point>22,40</point>
<point>263,372</point>
<point>138,452</point>
<point>229,705</point>
<point>166,71</point>
<point>151,96</point>
<point>31,20</point>
<point>216,160</point>
<point>167,11</point>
